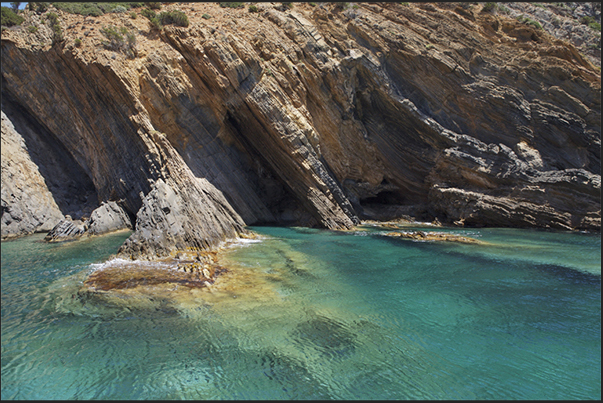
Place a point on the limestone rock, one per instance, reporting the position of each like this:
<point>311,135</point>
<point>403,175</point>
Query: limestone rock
<point>317,116</point>
<point>27,204</point>
<point>435,236</point>
<point>108,217</point>
<point>66,230</point>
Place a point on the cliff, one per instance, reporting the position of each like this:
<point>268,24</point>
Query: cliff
<point>311,115</point>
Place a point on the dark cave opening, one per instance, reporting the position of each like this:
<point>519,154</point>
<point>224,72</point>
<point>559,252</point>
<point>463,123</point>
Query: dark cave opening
<point>385,197</point>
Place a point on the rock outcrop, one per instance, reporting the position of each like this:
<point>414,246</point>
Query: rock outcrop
<point>564,21</point>
<point>107,218</point>
<point>312,114</point>
<point>27,204</point>
<point>66,230</point>
<point>435,236</point>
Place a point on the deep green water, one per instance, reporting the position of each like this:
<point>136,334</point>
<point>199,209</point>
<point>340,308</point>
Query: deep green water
<point>315,314</point>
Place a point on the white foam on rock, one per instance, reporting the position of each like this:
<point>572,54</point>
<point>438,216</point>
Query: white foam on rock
<point>119,262</point>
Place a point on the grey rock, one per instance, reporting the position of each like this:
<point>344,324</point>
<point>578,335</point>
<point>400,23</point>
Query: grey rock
<point>66,230</point>
<point>27,204</point>
<point>108,217</point>
<point>321,114</point>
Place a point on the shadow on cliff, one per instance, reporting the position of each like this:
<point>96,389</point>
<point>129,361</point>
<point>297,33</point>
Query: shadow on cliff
<point>71,188</point>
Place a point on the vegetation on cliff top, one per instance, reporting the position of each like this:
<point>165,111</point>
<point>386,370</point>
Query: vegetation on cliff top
<point>174,17</point>
<point>93,9</point>
<point>120,40</point>
<point>10,18</point>
<point>57,31</point>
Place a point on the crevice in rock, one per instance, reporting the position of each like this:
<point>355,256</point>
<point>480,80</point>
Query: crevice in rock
<point>264,181</point>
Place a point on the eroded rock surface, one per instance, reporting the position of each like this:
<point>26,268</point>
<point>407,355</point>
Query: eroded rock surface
<point>27,204</point>
<point>318,116</point>
<point>66,230</point>
<point>107,218</point>
<point>435,236</point>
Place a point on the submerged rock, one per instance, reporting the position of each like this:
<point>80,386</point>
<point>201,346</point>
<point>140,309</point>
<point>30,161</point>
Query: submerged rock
<point>119,278</point>
<point>435,236</point>
<point>150,285</point>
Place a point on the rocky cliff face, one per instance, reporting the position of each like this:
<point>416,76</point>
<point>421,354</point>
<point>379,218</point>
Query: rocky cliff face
<point>317,116</point>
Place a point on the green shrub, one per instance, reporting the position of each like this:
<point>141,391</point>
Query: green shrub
<point>86,9</point>
<point>560,5</point>
<point>175,17</point>
<point>235,4</point>
<point>78,42</point>
<point>33,29</point>
<point>404,3</point>
<point>206,16</point>
<point>39,8</point>
<point>133,15</point>
<point>147,12</point>
<point>533,23</point>
<point>10,18</point>
<point>115,39</point>
<point>529,21</point>
<point>94,9</point>
<point>253,9</point>
<point>119,40</point>
<point>153,5</point>
<point>57,34</point>
<point>587,19</point>
<point>287,5</point>
<point>339,4</point>
<point>156,24</point>
<point>595,25</point>
<point>503,9</point>
<point>53,18</point>
<point>312,4</point>
<point>489,7</point>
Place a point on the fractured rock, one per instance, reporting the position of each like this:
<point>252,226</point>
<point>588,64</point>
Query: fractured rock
<point>66,230</point>
<point>108,217</point>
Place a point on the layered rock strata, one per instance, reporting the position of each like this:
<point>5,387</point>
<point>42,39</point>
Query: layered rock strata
<point>27,204</point>
<point>108,217</point>
<point>309,115</point>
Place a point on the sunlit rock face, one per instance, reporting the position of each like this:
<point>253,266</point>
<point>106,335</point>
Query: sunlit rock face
<point>318,116</point>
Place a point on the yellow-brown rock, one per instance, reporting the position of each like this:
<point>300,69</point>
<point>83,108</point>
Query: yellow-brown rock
<point>434,236</point>
<point>317,116</point>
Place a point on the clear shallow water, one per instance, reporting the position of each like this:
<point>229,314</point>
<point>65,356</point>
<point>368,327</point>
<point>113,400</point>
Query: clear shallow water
<point>314,314</point>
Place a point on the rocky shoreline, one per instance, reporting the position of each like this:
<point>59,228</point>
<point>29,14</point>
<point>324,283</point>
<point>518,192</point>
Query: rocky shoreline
<point>311,115</point>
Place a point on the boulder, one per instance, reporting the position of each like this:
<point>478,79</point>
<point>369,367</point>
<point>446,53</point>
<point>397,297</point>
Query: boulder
<point>108,217</point>
<point>66,230</point>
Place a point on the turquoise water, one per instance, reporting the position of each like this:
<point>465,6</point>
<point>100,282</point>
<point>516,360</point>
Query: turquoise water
<point>315,314</point>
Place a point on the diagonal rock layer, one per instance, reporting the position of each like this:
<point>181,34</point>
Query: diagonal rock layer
<point>311,115</point>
